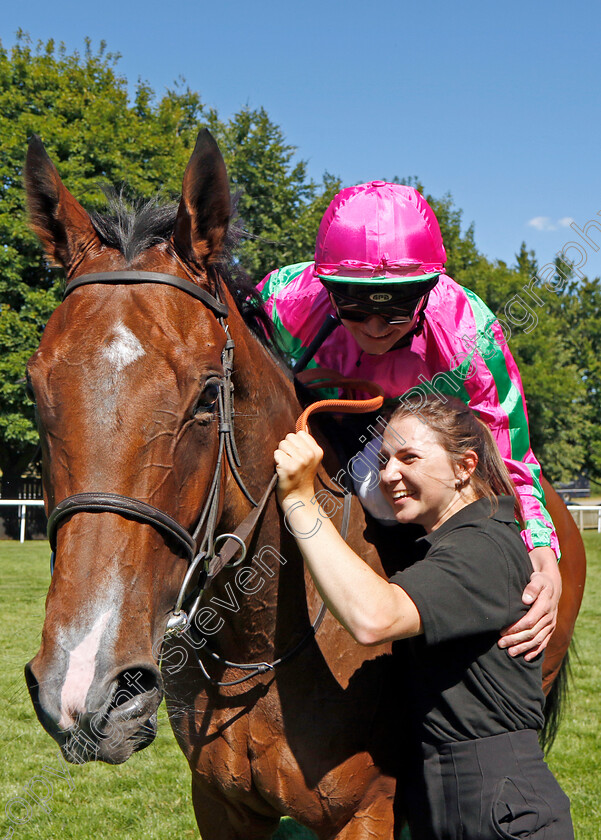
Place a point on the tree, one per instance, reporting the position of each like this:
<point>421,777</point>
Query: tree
<point>551,376</point>
<point>579,309</point>
<point>78,104</point>
<point>279,206</point>
<point>587,340</point>
<point>562,431</point>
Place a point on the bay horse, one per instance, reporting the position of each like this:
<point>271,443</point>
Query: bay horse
<point>143,480</point>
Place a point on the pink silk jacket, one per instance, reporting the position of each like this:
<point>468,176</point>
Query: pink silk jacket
<point>461,351</point>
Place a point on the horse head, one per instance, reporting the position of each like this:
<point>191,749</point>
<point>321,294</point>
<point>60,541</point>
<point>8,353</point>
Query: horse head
<point>126,382</point>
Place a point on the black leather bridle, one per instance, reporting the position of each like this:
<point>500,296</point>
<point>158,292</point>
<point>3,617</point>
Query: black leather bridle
<point>200,551</point>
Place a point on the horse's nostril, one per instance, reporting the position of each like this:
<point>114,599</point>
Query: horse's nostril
<point>133,682</point>
<point>33,687</point>
<point>130,716</point>
<point>48,713</point>
<point>32,683</point>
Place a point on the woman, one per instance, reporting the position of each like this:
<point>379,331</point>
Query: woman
<point>476,770</point>
<point>404,324</point>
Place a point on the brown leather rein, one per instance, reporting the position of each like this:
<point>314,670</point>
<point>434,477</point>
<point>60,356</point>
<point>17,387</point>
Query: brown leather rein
<point>201,552</point>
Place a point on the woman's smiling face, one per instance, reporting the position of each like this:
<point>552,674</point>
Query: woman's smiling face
<point>418,477</point>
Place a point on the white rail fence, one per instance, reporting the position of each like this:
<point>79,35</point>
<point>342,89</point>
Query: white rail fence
<point>584,515</point>
<point>22,504</point>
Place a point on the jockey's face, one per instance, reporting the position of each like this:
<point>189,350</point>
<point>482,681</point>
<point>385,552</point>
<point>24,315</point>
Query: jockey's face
<point>375,336</point>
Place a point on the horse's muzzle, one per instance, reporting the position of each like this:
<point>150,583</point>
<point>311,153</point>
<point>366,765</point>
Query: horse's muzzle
<point>122,720</point>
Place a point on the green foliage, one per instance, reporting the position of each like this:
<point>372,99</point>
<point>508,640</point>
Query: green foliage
<point>579,310</point>
<point>558,414</point>
<point>280,208</point>
<point>19,336</point>
<point>562,384</point>
<point>550,370</point>
<point>78,104</point>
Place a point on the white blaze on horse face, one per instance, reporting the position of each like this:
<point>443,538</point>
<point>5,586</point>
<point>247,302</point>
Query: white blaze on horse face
<point>123,349</point>
<point>80,672</point>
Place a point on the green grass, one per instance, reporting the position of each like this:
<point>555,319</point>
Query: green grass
<point>149,796</point>
<point>576,757</point>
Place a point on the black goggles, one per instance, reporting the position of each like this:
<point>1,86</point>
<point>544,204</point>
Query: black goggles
<point>358,310</point>
<point>355,302</point>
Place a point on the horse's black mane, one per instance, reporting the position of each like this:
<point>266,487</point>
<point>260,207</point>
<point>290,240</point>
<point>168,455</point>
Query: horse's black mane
<point>133,226</point>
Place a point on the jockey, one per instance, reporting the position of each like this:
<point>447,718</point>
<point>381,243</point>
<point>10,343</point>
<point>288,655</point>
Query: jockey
<point>402,323</point>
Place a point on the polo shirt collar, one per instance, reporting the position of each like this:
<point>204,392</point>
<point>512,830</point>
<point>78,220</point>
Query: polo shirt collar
<point>475,511</point>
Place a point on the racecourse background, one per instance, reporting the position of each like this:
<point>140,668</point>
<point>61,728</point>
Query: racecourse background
<point>149,796</point>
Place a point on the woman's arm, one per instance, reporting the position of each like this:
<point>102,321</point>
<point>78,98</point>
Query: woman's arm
<point>370,608</point>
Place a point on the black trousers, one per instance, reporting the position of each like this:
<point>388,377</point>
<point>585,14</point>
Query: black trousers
<point>489,788</point>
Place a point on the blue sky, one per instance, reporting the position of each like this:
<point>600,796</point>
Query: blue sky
<point>496,103</point>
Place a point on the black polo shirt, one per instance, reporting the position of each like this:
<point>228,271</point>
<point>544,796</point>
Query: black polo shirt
<point>457,682</point>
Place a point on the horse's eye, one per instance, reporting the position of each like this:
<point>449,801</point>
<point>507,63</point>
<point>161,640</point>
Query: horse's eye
<point>208,397</point>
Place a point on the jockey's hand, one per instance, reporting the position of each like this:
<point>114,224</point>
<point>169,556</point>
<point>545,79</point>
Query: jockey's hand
<point>297,460</point>
<point>530,635</point>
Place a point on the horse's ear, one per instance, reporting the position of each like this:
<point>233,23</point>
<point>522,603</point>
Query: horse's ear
<point>61,223</point>
<point>205,206</point>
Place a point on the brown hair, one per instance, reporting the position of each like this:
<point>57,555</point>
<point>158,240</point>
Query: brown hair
<point>459,430</point>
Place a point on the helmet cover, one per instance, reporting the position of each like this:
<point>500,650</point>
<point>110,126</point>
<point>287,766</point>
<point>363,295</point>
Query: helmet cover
<point>385,232</point>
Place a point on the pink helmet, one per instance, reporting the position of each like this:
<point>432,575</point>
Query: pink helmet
<point>385,232</point>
